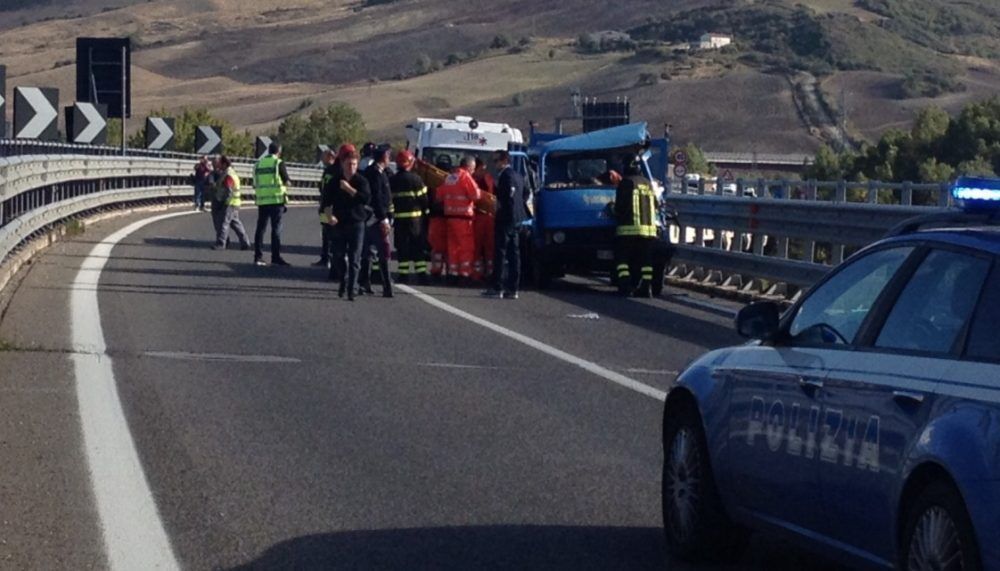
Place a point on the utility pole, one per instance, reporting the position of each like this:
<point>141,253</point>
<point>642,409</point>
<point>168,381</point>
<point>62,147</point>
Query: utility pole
<point>124,97</point>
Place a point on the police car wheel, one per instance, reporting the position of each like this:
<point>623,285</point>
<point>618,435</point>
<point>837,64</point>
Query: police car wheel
<point>938,533</point>
<point>693,519</point>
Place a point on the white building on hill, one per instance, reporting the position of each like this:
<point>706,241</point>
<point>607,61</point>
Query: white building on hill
<point>714,41</point>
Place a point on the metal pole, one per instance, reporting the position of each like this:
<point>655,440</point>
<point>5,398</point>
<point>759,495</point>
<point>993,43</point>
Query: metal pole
<point>124,87</point>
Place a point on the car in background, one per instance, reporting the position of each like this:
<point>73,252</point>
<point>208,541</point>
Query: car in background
<point>864,422</point>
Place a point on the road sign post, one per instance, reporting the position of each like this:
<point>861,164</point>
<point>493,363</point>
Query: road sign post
<point>261,146</point>
<point>208,140</point>
<point>87,124</point>
<point>35,113</point>
<point>160,133</point>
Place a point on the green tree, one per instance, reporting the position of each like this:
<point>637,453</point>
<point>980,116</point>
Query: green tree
<point>826,165</point>
<point>933,171</point>
<point>976,167</point>
<point>931,125</point>
<point>333,125</point>
<point>696,161</point>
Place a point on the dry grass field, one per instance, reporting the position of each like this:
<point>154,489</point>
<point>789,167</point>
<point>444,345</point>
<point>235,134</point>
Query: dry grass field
<point>254,62</point>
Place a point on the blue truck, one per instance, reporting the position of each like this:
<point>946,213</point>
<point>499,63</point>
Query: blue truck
<point>573,228</point>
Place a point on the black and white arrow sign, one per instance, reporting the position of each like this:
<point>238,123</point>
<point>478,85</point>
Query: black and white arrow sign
<point>262,145</point>
<point>208,140</point>
<point>160,133</point>
<point>35,113</point>
<point>88,124</point>
<point>3,101</point>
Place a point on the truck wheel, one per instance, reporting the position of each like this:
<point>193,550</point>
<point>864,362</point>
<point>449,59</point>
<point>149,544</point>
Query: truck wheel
<point>659,276</point>
<point>938,533</point>
<point>694,521</point>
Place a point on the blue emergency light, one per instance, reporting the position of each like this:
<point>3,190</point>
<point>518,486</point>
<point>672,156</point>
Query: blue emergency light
<point>976,193</point>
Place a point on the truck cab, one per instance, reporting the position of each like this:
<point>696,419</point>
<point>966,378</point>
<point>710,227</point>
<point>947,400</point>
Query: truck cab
<point>573,229</point>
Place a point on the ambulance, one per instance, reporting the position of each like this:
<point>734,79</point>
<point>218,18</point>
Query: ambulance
<point>443,142</point>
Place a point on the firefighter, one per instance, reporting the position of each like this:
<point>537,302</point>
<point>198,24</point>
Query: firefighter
<point>409,199</point>
<point>483,223</point>
<point>457,196</point>
<point>635,216</point>
<point>271,180</point>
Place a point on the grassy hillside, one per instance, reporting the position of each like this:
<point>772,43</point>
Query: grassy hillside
<point>254,62</point>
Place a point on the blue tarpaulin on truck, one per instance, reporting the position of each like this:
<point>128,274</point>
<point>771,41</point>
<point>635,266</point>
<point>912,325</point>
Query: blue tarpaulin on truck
<point>613,138</point>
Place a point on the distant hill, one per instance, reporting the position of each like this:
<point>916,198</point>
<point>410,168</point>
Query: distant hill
<point>795,68</point>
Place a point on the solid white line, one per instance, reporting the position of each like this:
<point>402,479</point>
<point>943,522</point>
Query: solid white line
<point>134,536</point>
<point>589,366</point>
<point>652,372</point>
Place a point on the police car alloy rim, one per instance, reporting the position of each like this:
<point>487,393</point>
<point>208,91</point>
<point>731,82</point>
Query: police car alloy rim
<point>935,545</point>
<point>683,478</point>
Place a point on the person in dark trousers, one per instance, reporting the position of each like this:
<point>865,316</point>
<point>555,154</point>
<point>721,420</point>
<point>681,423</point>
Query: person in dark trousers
<point>345,201</point>
<point>379,228</point>
<point>411,206</point>
<point>635,216</point>
<point>202,174</point>
<point>229,198</point>
<point>513,198</point>
<point>331,171</point>
<point>270,182</point>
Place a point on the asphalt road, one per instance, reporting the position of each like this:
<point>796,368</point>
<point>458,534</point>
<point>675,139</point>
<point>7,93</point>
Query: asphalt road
<point>281,427</point>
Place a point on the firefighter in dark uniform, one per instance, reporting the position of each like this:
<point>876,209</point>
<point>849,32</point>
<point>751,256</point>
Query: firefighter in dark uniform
<point>635,216</point>
<point>411,205</point>
<point>379,225</point>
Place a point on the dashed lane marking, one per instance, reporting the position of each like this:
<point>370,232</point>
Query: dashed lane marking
<point>584,364</point>
<point>134,536</point>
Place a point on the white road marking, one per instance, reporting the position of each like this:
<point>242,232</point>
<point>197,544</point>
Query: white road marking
<point>588,366</point>
<point>134,536</point>
<point>458,366</point>
<point>652,372</point>
<point>221,357</point>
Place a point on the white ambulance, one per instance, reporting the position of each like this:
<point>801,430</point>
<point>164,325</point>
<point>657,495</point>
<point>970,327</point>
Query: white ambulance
<point>443,142</point>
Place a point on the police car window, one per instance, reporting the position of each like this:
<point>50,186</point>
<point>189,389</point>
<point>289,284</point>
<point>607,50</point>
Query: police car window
<point>984,343</point>
<point>935,305</point>
<point>834,312</point>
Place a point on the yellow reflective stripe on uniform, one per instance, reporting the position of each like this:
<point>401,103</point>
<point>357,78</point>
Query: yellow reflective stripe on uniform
<point>412,193</point>
<point>413,214</point>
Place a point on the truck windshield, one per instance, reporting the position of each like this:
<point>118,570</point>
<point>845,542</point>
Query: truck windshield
<point>447,159</point>
<point>577,170</point>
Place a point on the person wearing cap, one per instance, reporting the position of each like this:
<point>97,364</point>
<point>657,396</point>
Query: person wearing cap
<point>346,201</point>
<point>635,217</point>
<point>411,205</point>
<point>270,182</point>
<point>331,173</point>
<point>379,226</point>
<point>458,195</point>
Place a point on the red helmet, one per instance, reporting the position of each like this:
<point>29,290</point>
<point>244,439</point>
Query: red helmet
<point>404,158</point>
<point>345,150</point>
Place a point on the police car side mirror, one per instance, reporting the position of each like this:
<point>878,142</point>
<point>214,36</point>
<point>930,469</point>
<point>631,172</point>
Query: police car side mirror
<point>759,320</point>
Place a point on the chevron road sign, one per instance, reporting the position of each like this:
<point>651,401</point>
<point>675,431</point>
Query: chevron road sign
<point>87,123</point>
<point>208,140</point>
<point>3,101</point>
<point>160,133</point>
<point>35,113</point>
<point>261,146</point>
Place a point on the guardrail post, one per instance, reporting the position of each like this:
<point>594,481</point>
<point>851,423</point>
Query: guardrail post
<point>944,195</point>
<point>841,195</point>
<point>810,249</point>
<point>907,196</point>
<point>872,192</point>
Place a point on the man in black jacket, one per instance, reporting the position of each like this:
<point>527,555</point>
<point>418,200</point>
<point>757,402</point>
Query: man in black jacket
<point>513,197</point>
<point>380,224</point>
<point>411,207</point>
<point>346,201</point>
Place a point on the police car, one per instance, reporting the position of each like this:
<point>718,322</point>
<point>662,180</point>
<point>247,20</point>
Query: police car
<point>864,422</point>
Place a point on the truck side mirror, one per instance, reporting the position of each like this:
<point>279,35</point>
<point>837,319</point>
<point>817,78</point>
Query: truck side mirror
<point>759,321</point>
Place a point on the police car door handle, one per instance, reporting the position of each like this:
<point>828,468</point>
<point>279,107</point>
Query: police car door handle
<point>908,397</point>
<point>810,384</point>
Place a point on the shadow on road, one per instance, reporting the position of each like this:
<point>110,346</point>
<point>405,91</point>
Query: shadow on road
<point>185,243</point>
<point>552,548</point>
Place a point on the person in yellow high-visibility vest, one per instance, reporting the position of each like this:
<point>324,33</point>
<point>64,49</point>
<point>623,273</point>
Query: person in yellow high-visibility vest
<point>270,183</point>
<point>635,215</point>
<point>228,199</point>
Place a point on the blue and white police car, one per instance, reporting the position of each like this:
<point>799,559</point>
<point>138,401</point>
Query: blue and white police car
<point>864,422</point>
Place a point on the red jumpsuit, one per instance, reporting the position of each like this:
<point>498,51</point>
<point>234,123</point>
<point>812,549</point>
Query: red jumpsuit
<point>457,196</point>
<point>483,224</point>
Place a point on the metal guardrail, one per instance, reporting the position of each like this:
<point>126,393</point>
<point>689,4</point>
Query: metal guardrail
<point>39,191</point>
<point>791,234</point>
